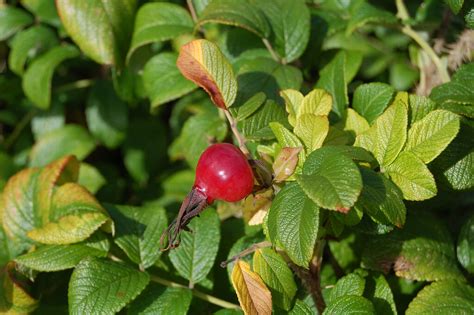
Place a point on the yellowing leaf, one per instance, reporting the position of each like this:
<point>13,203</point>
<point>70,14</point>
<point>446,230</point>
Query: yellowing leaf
<point>355,123</point>
<point>312,130</point>
<point>317,102</point>
<point>254,296</point>
<point>14,298</point>
<point>202,62</point>
<point>256,207</point>
<point>285,163</point>
<point>293,100</point>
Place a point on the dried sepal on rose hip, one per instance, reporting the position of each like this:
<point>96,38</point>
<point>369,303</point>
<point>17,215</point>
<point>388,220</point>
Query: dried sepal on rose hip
<point>223,173</point>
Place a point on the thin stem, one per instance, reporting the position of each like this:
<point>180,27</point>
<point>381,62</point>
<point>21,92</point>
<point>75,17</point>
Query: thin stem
<point>402,11</point>
<point>192,10</point>
<point>80,84</point>
<point>246,252</point>
<point>25,120</point>
<point>272,52</point>
<point>240,138</point>
<point>200,295</point>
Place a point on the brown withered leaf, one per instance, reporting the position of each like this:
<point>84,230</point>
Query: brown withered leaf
<point>285,163</point>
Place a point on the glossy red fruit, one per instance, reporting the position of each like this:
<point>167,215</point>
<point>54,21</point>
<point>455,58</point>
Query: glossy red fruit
<point>223,173</point>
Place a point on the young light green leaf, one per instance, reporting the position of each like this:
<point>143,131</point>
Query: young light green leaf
<point>420,106</point>
<point>202,62</point>
<point>156,22</point>
<point>28,43</point>
<point>363,12</point>
<point>58,257</point>
<point>103,286</point>
<point>163,81</point>
<point>381,199</point>
<point>455,5</point>
<point>106,114</point>
<point>101,29</point>
<point>351,284</point>
<point>331,179</point>
<point>401,249</point>
<point>37,79</point>
<point>287,139</point>
<point>428,137</point>
<point>312,130</point>
<point>293,100</point>
<point>293,222</point>
<point>465,245</point>
<point>355,123</point>
<point>195,256</point>
<point>285,163</point>
<point>243,14</point>
<point>316,102</point>
<point>412,176</point>
<point>370,100</point>
<point>157,299</point>
<point>350,304</point>
<point>443,297</point>
<point>91,178</point>
<point>138,232</point>
<point>277,276</point>
<point>71,139</point>
<point>12,19</point>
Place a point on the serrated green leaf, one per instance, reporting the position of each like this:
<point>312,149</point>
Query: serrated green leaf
<point>293,100</point>
<point>290,23</point>
<point>454,5</point>
<point>351,284</point>
<point>287,139</point>
<point>293,222</point>
<point>71,139</point>
<point>312,130</point>
<point>251,106</point>
<point>316,102</point>
<point>331,179</point>
<point>243,14</point>
<point>12,19</point>
<point>301,308</point>
<point>378,291</point>
<point>423,250</point>
<point>195,256</point>
<point>350,304</point>
<point>101,29</point>
<point>106,114</point>
<point>202,62</point>
<point>412,176</point>
<point>58,257</point>
<point>443,297</point>
<point>138,232</point>
<point>163,81</point>
<point>37,79</point>
<point>277,276</point>
<point>257,126</point>
<point>363,13</point>
<point>371,99</point>
<point>465,245</point>
<point>381,199</point>
<point>156,22</point>
<point>103,286</point>
<point>428,137</point>
<point>29,43</point>
<point>157,299</point>
<point>420,106</point>
<point>458,90</point>
<point>15,296</point>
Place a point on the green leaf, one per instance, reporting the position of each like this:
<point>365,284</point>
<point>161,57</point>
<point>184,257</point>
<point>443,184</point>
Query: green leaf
<point>301,308</point>
<point>391,131</point>
<point>243,14</point>
<point>316,102</point>
<point>163,81</point>
<point>412,176</point>
<point>465,245</point>
<point>101,29</point>
<point>241,244</point>
<point>454,5</point>
<point>12,20</point>
<point>257,126</point>
<point>157,299</point>
<point>458,90</point>
<point>420,106</point>
<point>402,248</point>
<point>428,137</point>
<point>287,139</point>
<point>363,13</point>
<point>331,179</point>
<point>37,79</point>
<point>28,43</point>
<point>293,221</point>
<point>106,114</point>
<point>443,297</point>
<point>91,178</point>
<point>138,232</point>
<point>46,121</point>
<point>251,106</point>
<point>16,296</point>
<point>277,276</point>
<point>290,23</point>
<point>195,256</point>
<point>378,291</point>
<point>469,18</point>
<point>351,284</point>
<point>202,62</point>
<point>44,11</point>
<point>58,257</point>
<point>293,100</point>
<point>350,304</point>
<point>354,123</point>
<point>371,99</point>
<point>381,199</point>
<point>156,22</point>
<point>312,130</point>
<point>71,139</point>
<point>103,286</point>
<point>9,249</point>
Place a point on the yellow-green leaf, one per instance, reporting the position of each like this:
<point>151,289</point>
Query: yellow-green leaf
<point>202,62</point>
<point>253,294</point>
<point>355,123</point>
<point>317,102</point>
<point>285,163</point>
<point>287,139</point>
<point>312,130</point>
<point>15,298</point>
<point>293,100</point>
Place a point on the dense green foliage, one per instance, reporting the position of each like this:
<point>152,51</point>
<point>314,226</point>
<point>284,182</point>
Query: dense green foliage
<point>361,110</point>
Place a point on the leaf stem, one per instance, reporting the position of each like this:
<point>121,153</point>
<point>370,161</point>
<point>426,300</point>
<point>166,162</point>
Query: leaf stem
<point>240,138</point>
<point>192,10</point>
<point>25,120</point>
<point>200,295</point>
<point>80,84</point>
<point>246,252</point>
<point>272,51</point>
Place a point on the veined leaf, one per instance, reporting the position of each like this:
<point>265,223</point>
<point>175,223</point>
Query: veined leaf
<point>202,62</point>
<point>157,299</point>
<point>254,296</point>
<point>351,284</point>
<point>293,100</point>
<point>287,139</point>
<point>15,297</point>
<point>363,13</point>
<point>103,286</point>
<point>420,106</point>
<point>316,102</point>
<point>355,123</point>
<point>370,100</point>
<point>350,304</point>
<point>38,76</point>
<point>465,245</point>
<point>257,126</point>
<point>379,292</point>
<point>285,163</point>
<point>12,19</point>
<point>312,130</point>
<point>301,308</point>
<point>251,106</point>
